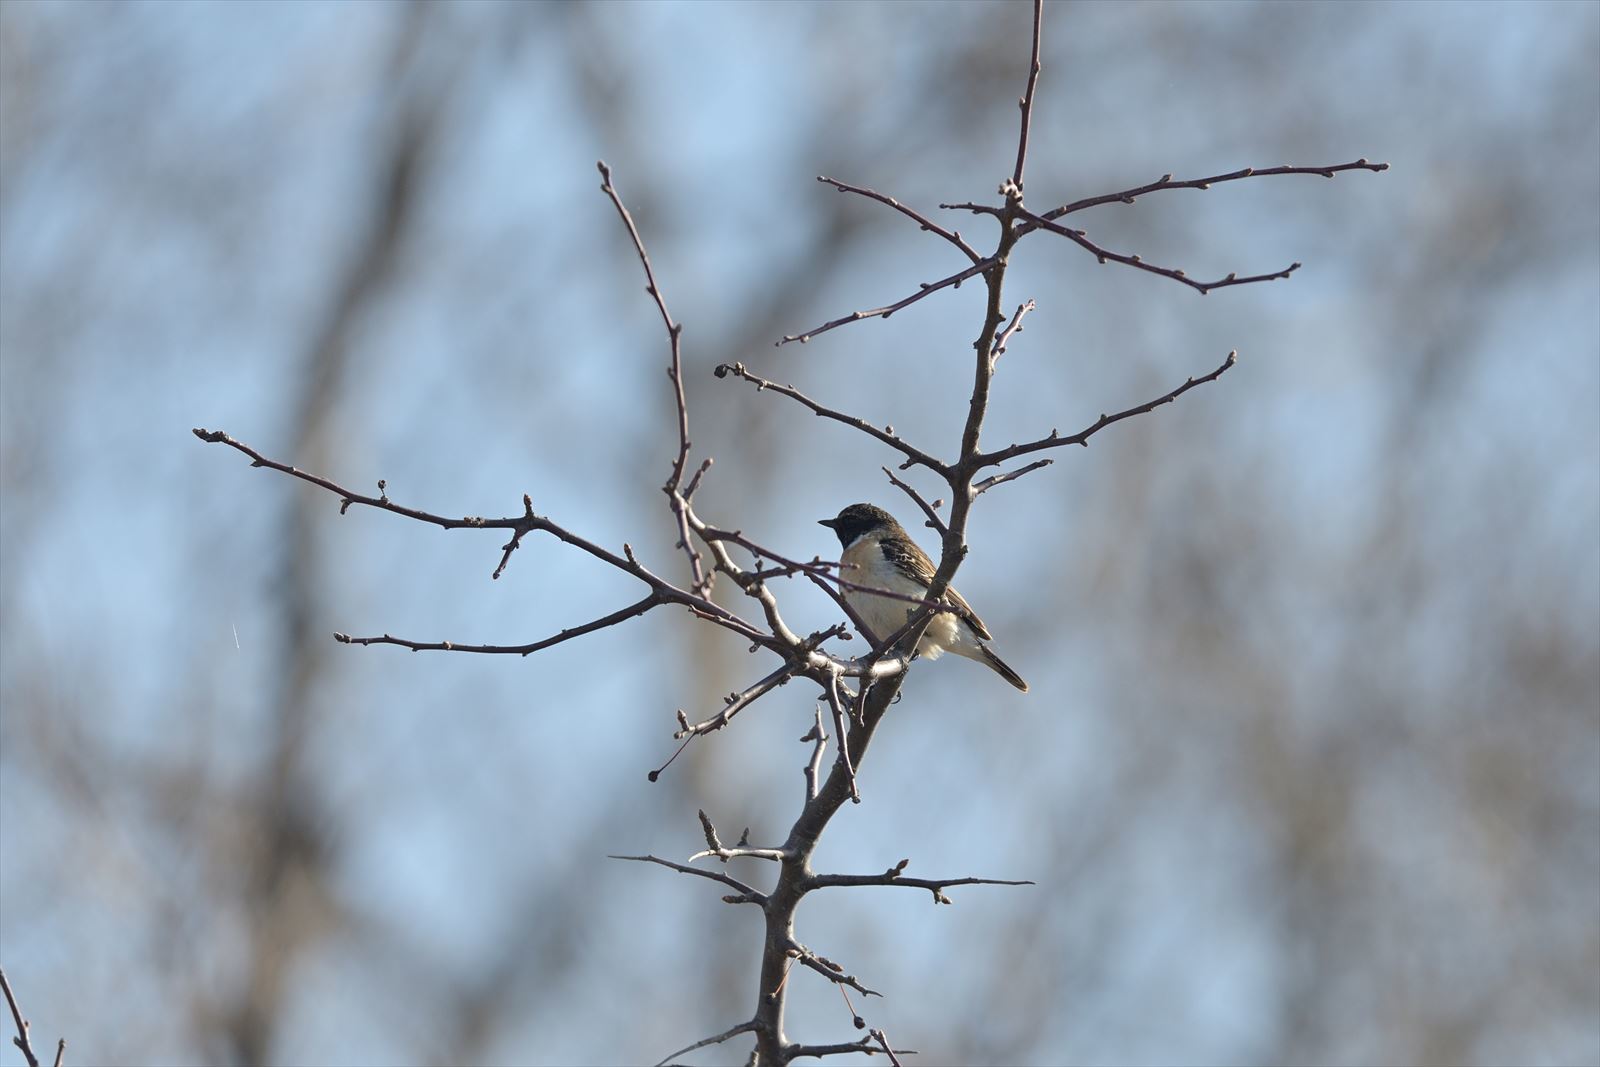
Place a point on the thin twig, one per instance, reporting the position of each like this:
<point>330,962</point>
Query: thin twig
<point>1015,328</point>
<point>883,1042</point>
<point>989,459</point>
<point>927,290</point>
<point>914,456</point>
<point>755,895</point>
<point>934,522</point>
<point>1105,254</point>
<point>737,702</point>
<point>989,483</point>
<point>1128,196</point>
<point>953,236</point>
<point>841,730</point>
<point>632,611</point>
<point>894,877</point>
<point>662,591</point>
<point>816,567</point>
<point>349,496</point>
<point>701,582</point>
<point>818,736</point>
<point>21,1040</point>
<point>743,1028</point>
<point>1026,103</point>
<point>715,847</point>
<point>829,970</point>
<point>843,1048</point>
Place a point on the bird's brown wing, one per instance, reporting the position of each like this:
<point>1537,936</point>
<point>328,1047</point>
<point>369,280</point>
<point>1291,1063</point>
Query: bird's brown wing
<point>907,555</point>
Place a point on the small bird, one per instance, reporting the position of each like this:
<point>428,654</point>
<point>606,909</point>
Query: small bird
<point>879,553</point>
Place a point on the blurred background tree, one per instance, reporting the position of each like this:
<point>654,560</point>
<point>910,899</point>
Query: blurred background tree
<point>1310,772</point>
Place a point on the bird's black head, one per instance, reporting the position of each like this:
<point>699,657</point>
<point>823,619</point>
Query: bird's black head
<point>858,519</point>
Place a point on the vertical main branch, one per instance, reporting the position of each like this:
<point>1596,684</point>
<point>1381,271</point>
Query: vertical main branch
<point>795,876</point>
<point>1026,103</point>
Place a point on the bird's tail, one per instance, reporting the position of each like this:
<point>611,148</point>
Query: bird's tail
<point>1001,668</point>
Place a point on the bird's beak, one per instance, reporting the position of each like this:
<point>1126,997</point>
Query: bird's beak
<point>832,524</point>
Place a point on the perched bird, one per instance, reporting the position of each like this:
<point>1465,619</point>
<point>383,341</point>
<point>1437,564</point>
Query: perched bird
<point>879,553</point>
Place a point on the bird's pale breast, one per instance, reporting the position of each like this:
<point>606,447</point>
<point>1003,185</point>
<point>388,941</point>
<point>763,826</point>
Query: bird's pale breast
<point>865,565</point>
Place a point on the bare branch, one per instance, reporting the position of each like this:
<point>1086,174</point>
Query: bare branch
<point>928,289</point>
<point>914,456</point>
<point>844,605</point>
<point>1026,103</point>
<point>894,877</point>
<point>22,1040</point>
<point>987,484</point>
<point>976,208</point>
<point>829,969</point>
<point>662,592</point>
<point>737,702</point>
<point>701,582</point>
<point>743,1028</point>
<point>953,236</point>
<point>630,612</point>
<point>813,770</point>
<point>349,496</point>
<point>715,847</point>
<point>755,896</point>
<point>1082,437</point>
<point>1015,327</point>
<point>934,522</point>
<point>1104,254</point>
<point>883,1042</point>
<point>516,537</point>
<point>816,567</point>
<point>841,729</point>
<point>1128,196</point>
<point>849,1048</point>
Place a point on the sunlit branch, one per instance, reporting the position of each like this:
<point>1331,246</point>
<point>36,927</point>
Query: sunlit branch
<point>914,455</point>
<point>989,459</point>
<point>1128,196</point>
<point>953,236</point>
<point>927,290</point>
